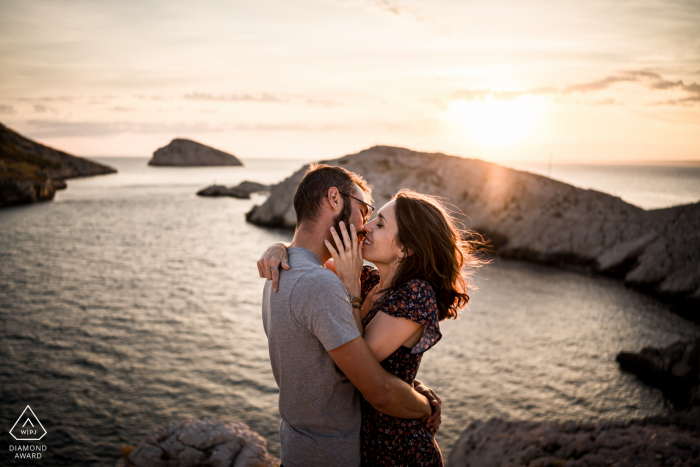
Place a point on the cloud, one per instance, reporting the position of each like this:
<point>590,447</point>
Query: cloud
<point>122,109</point>
<point>59,128</point>
<point>654,82</point>
<point>41,108</point>
<point>598,85</point>
<point>46,128</point>
<point>49,99</point>
<point>471,94</point>
<point>152,98</point>
<point>396,8</point>
<point>264,97</point>
<point>7,110</point>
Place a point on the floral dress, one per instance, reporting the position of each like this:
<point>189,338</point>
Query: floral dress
<point>389,440</point>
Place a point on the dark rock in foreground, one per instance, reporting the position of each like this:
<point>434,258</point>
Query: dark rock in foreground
<point>502,443</point>
<point>186,153</point>
<point>31,172</point>
<point>207,442</point>
<point>241,191</point>
<point>534,218</point>
<point>675,369</point>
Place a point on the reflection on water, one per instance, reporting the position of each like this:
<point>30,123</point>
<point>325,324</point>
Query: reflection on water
<point>129,303</point>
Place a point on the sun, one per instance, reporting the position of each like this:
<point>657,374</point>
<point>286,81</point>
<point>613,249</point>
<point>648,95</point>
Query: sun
<point>496,123</point>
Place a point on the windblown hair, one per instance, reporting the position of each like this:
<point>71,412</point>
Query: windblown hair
<point>437,249</point>
<point>319,178</point>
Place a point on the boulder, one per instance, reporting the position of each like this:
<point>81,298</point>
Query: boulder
<point>186,153</point>
<point>503,443</point>
<point>531,217</point>
<point>242,191</point>
<point>675,369</point>
<point>205,443</point>
<point>31,172</point>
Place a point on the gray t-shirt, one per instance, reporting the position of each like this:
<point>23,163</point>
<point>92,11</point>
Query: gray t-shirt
<point>320,408</point>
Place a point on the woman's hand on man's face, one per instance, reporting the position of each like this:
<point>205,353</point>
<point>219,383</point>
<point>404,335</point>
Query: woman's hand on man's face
<point>271,260</point>
<point>347,257</point>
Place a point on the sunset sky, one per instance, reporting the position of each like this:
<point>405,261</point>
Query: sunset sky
<point>584,81</point>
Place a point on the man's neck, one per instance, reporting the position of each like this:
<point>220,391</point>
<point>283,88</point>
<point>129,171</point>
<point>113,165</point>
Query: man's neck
<point>313,239</point>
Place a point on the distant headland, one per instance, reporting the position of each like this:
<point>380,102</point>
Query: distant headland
<point>187,153</point>
<point>535,218</point>
<point>31,172</point>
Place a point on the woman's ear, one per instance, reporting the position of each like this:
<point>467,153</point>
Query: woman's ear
<point>405,253</point>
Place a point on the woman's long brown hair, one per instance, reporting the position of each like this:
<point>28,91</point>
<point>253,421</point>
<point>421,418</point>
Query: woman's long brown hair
<point>437,249</point>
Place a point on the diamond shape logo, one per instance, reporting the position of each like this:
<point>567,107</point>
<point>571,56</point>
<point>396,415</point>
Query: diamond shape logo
<point>28,427</point>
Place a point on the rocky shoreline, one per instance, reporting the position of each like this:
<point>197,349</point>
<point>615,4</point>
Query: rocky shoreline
<point>658,441</point>
<point>241,191</point>
<point>674,369</point>
<point>206,442</point>
<point>31,172</point>
<point>535,218</point>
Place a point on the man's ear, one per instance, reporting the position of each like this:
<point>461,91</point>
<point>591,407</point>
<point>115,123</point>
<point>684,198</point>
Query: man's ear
<point>334,199</point>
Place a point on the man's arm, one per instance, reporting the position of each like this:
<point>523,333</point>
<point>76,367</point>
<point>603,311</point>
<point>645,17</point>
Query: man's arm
<point>386,393</point>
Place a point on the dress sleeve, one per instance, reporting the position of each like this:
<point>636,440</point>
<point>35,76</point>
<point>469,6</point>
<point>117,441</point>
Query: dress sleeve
<point>415,300</point>
<point>368,279</point>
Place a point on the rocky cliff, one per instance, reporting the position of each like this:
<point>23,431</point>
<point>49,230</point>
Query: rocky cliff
<point>206,443</point>
<point>31,172</point>
<point>655,441</point>
<point>675,369</point>
<point>532,217</point>
<point>241,191</point>
<point>187,153</point>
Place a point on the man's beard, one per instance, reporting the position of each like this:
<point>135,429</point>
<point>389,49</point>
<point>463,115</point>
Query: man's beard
<point>344,216</point>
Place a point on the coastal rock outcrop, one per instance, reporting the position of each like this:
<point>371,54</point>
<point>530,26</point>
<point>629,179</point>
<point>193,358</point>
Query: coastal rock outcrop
<point>187,153</point>
<point>503,443</point>
<point>31,172</point>
<point>206,442</point>
<point>242,191</point>
<point>535,218</point>
<point>675,369</point>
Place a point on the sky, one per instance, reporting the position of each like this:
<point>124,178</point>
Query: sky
<point>594,81</point>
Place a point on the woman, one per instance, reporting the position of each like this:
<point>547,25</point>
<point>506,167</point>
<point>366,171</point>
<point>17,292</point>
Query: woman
<point>418,281</point>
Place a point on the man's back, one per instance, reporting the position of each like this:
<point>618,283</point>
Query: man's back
<point>309,316</point>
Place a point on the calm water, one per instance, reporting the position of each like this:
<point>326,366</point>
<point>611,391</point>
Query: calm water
<point>129,303</point>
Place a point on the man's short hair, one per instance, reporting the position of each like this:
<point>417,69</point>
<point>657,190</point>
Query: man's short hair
<point>319,178</point>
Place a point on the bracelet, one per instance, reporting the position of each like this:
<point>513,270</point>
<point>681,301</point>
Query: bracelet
<point>356,302</point>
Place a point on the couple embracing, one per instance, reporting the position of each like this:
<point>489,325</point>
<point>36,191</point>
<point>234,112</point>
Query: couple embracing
<point>346,339</point>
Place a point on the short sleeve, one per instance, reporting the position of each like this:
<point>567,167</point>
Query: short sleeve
<point>415,300</point>
<point>368,279</point>
<point>320,304</point>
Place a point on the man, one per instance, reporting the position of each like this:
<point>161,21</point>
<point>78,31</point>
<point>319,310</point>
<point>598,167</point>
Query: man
<point>318,357</point>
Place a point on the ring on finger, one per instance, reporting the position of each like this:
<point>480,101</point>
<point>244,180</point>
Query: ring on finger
<point>272,268</point>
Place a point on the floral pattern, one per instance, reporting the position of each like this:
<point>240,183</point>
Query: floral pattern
<point>386,440</point>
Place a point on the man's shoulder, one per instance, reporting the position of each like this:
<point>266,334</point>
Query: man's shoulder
<point>319,279</point>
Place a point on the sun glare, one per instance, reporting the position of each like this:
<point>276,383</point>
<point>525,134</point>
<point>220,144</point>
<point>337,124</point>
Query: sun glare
<point>497,123</point>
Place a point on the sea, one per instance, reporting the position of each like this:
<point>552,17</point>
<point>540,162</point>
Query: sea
<point>129,303</point>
